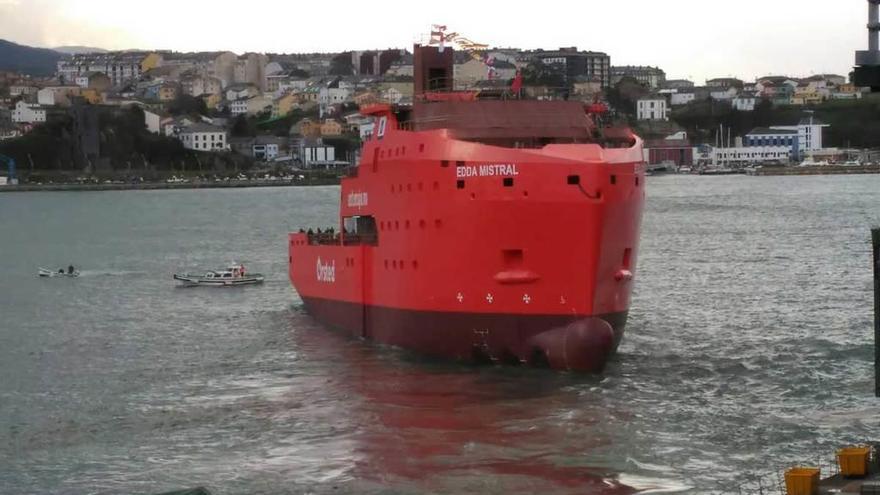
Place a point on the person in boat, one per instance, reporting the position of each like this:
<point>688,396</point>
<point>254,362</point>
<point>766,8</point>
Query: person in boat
<point>241,272</point>
<point>70,270</point>
<point>61,271</point>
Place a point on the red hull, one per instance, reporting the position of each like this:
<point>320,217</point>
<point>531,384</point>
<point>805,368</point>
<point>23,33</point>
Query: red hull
<point>561,342</point>
<point>470,249</point>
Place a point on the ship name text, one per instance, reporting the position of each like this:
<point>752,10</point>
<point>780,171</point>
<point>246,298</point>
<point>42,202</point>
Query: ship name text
<point>326,272</point>
<point>488,170</point>
<point>358,200</point>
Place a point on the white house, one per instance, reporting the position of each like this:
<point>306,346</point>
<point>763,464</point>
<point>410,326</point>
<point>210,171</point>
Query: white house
<point>332,96</point>
<point>152,121</point>
<point>652,109</point>
<point>57,95</point>
<point>27,113</point>
<point>744,103</point>
<point>239,107</point>
<point>22,90</point>
<point>724,94</point>
<point>678,99</point>
<point>241,91</point>
<point>203,137</point>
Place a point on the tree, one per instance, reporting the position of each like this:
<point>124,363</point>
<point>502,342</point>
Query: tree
<point>537,73</point>
<point>243,127</point>
<point>624,96</point>
<point>341,65</point>
<point>187,105</point>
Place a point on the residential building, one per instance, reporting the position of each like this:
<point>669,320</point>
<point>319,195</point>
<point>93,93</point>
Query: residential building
<point>586,90</point>
<point>846,92</point>
<point>467,74</point>
<point>259,104</point>
<point>241,91</point>
<point>284,105</point>
<point>332,94</point>
<point>94,80</point>
<point>266,148</point>
<point>22,90</point>
<point>725,82</point>
<point>723,94</point>
<point>576,64</point>
<point>806,96</point>
<point>152,121</point>
<point>401,69</point>
<point>212,100</point>
<point>197,85</point>
<point>779,94</point>
<point>331,128</point>
<point>238,107</point>
<point>168,92</point>
<point>251,68</point>
<point>308,128</point>
<point>57,95</point>
<point>744,103</point>
<point>652,109</point>
<point>222,68</point>
<point>652,77</point>
<point>203,137</point>
<point>120,67</point>
<point>682,98</point>
<point>28,113</point>
<point>678,84</point>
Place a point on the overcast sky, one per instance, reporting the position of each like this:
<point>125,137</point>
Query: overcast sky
<point>687,38</point>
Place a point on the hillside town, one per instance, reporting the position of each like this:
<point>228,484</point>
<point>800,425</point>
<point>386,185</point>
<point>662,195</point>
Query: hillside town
<point>301,110</point>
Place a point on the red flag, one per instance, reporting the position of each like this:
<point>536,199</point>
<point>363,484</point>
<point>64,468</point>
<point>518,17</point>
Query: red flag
<point>517,83</point>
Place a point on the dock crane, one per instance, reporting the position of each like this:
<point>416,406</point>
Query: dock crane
<point>10,163</point>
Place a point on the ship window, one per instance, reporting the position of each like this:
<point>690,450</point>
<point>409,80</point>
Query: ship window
<point>460,184</point>
<point>360,230</point>
<point>613,179</point>
<point>574,180</point>
<point>508,182</point>
<point>459,163</point>
<point>444,163</point>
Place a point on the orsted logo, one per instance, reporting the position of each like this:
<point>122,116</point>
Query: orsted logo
<point>326,272</point>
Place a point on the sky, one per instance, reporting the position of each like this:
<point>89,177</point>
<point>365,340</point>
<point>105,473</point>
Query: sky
<point>693,39</point>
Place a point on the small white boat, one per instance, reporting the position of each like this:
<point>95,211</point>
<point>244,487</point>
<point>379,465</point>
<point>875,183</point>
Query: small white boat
<point>233,276</point>
<point>46,273</point>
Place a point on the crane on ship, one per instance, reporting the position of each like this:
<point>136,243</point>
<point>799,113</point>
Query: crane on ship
<point>440,38</point>
<point>10,164</point>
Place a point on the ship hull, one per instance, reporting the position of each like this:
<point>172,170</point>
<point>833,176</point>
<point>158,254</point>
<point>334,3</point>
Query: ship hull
<point>563,342</point>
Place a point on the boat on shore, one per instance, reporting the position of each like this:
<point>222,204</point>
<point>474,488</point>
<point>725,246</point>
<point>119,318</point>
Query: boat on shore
<point>233,276</point>
<point>46,273</point>
<point>482,226</point>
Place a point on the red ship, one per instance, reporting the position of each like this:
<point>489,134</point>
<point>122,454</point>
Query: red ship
<point>482,227</point>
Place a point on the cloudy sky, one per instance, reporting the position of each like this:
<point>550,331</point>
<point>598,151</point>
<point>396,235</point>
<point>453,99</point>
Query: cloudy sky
<point>687,38</point>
